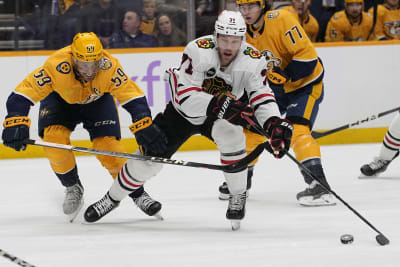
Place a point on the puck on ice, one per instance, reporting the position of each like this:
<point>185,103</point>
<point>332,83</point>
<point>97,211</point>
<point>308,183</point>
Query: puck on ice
<point>346,239</point>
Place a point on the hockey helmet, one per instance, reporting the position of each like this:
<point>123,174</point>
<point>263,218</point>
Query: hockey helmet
<point>242,2</point>
<point>87,47</point>
<point>354,1</point>
<point>230,23</point>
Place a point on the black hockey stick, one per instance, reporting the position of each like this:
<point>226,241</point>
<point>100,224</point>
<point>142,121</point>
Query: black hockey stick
<point>15,259</point>
<point>227,168</point>
<point>380,238</point>
<point>317,135</point>
<point>375,13</point>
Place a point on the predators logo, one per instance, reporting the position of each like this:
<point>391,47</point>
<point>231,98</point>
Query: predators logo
<point>393,28</point>
<point>106,64</point>
<point>252,52</point>
<point>64,67</point>
<point>205,43</point>
<point>272,61</point>
<point>273,14</point>
<point>215,85</point>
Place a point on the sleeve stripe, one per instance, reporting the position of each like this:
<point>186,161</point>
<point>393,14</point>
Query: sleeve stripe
<point>261,96</point>
<point>189,89</point>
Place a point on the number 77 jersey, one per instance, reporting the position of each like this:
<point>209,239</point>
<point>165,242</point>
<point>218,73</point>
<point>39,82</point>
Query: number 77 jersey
<point>284,43</point>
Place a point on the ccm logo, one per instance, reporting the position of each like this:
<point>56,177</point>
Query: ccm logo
<point>107,122</point>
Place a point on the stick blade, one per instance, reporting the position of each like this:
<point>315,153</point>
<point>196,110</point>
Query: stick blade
<point>382,240</point>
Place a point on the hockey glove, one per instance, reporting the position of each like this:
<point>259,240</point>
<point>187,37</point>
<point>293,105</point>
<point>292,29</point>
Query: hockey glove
<point>280,134</point>
<point>224,107</point>
<point>16,130</point>
<point>277,76</point>
<point>150,137</point>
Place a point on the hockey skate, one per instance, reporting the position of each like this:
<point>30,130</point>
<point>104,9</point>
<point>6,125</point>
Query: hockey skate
<point>236,210</point>
<point>99,209</point>
<point>315,195</point>
<point>148,205</point>
<point>376,167</point>
<point>73,201</point>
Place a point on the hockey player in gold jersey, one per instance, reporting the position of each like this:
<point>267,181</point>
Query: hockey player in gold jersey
<point>351,24</point>
<point>299,8</point>
<point>295,74</point>
<point>78,84</point>
<point>388,20</point>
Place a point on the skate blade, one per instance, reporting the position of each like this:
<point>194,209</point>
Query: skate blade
<point>235,224</point>
<point>326,200</point>
<point>363,176</point>
<point>224,197</point>
<point>72,216</point>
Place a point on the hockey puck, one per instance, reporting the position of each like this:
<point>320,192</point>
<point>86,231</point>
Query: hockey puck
<point>346,239</point>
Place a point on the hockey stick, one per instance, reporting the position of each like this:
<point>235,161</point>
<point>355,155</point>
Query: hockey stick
<point>227,168</point>
<point>375,13</point>
<point>317,135</point>
<point>380,238</point>
<point>15,259</point>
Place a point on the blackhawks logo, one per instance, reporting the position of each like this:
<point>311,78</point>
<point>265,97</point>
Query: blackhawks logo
<point>215,85</point>
<point>205,43</point>
<point>252,52</point>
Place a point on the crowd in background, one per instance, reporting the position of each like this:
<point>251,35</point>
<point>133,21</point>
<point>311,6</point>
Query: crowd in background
<point>155,23</point>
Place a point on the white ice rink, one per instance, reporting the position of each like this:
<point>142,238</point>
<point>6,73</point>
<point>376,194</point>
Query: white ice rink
<point>276,230</point>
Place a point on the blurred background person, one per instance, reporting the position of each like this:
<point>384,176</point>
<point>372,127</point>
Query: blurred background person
<point>167,33</point>
<point>130,35</point>
<point>149,16</point>
<point>351,24</point>
<point>388,20</point>
<point>309,23</point>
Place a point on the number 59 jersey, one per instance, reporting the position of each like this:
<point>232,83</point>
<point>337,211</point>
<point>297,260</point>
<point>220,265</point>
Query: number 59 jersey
<point>201,76</point>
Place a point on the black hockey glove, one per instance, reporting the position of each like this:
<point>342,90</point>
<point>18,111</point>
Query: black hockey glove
<point>224,107</point>
<point>16,130</point>
<point>277,76</point>
<point>280,134</point>
<point>150,137</point>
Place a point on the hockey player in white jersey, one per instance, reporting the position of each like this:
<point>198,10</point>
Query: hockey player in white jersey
<point>389,150</point>
<point>215,72</point>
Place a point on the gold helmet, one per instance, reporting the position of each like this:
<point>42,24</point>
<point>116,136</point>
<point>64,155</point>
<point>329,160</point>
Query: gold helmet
<point>87,47</point>
<point>242,2</point>
<point>354,1</point>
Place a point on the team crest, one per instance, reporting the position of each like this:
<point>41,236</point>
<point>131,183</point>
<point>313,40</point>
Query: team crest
<point>64,67</point>
<point>106,64</point>
<point>250,51</point>
<point>205,43</point>
<point>273,14</point>
<point>215,85</point>
<point>272,61</point>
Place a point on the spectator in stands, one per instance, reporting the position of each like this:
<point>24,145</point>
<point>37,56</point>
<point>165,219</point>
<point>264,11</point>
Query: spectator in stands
<point>300,9</point>
<point>102,17</point>
<point>167,33</point>
<point>130,35</point>
<point>148,19</point>
<point>323,10</point>
<point>351,24</point>
<point>388,20</point>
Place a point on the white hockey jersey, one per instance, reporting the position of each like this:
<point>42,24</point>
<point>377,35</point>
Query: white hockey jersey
<point>201,76</point>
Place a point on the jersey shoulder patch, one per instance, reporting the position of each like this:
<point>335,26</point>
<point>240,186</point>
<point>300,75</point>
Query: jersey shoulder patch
<point>64,67</point>
<point>106,64</point>
<point>253,53</point>
<point>273,14</point>
<point>205,43</point>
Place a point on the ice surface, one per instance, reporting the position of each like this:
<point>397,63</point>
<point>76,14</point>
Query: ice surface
<point>276,231</point>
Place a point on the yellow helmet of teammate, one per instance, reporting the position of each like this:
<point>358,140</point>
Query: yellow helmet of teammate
<point>354,1</point>
<point>242,2</point>
<point>87,47</point>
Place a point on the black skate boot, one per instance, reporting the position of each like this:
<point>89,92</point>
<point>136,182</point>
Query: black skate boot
<point>99,209</point>
<point>315,195</point>
<point>148,205</point>
<point>224,193</point>
<point>236,210</point>
<point>376,167</point>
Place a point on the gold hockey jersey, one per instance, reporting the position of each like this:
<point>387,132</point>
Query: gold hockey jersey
<point>57,75</point>
<point>147,26</point>
<point>387,23</point>
<point>340,29</point>
<point>310,24</point>
<point>285,44</point>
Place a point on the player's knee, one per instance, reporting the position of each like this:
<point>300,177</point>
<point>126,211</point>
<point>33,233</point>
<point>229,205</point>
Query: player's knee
<point>112,164</point>
<point>227,136</point>
<point>252,141</point>
<point>143,170</point>
<point>61,161</point>
<point>303,144</point>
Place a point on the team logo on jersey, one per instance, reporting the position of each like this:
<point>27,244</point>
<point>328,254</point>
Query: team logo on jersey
<point>205,43</point>
<point>106,64</point>
<point>211,72</point>
<point>273,14</point>
<point>64,67</point>
<point>272,61</point>
<point>250,51</point>
<point>215,85</point>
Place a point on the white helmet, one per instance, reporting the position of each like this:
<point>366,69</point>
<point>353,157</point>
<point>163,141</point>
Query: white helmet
<point>230,23</point>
